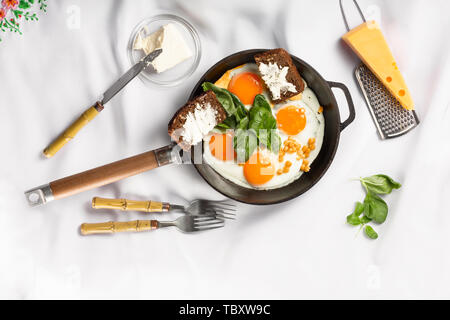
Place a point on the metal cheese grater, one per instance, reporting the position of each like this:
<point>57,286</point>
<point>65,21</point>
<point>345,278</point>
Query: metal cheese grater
<point>390,118</point>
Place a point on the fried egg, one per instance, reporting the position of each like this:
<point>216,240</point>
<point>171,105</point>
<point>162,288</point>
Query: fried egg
<point>300,125</point>
<point>245,82</point>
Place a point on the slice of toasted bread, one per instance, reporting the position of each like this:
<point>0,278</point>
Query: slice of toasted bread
<point>206,102</point>
<point>282,59</point>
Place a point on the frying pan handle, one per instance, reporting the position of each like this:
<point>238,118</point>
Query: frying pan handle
<point>103,175</point>
<point>348,97</point>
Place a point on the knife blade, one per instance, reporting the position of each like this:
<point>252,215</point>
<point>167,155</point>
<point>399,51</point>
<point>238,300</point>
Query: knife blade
<point>129,75</point>
<point>94,110</point>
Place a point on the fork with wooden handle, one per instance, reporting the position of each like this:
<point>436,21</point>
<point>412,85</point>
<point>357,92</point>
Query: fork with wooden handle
<point>219,209</point>
<point>184,223</point>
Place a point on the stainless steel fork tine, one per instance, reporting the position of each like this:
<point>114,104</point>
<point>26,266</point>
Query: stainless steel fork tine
<point>222,204</point>
<point>204,218</point>
<point>221,211</point>
<point>210,226</point>
<point>226,216</point>
<point>223,208</point>
<point>220,207</point>
<point>220,216</point>
<point>206,223</point>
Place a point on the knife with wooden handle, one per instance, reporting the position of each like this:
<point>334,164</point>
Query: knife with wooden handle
<point>94,110</point>
<point>103,175</point>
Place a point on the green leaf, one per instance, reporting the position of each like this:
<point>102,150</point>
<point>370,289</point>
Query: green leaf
<point>375,208</point>
<point>353,218</point>
<point>245,143</point>
<point>370,232</point>
<point>17,13</point>
<point>365,220</point>
<point>227,124</point>
<point>380,184</point>
<point>224,97</point>
<point>264,123</point>
<point>24,5</point>
<point>261,102</point>
<point>359,208</point>
<point>241,111</point>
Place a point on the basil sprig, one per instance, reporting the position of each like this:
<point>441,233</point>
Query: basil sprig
<point>252,128</point>
<point>379,184</point>
<point>374,208</point>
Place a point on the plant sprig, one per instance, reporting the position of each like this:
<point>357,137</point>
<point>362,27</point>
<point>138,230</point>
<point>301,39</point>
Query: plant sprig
<point>374,208</point>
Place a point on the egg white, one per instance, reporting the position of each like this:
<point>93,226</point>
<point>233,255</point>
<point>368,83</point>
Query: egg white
<point>314,128</point>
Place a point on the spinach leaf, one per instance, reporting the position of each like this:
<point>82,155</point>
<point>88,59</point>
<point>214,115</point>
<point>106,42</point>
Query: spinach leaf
<point>380,184</point>
<point>261,102</point>
<point>228,123</point>
<point>375,208</point>
<point>241,111</point>
<point>261,119</point>
<point>224,97</point>
<point>264,124</point>
<point>365,220</point>
<point>236,111</point>
<point>245,143</point>
<point>354,218</point>
<point>370,232</point>
<point>274,142</point>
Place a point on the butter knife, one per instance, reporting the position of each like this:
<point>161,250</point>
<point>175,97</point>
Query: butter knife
<point>94,110</point>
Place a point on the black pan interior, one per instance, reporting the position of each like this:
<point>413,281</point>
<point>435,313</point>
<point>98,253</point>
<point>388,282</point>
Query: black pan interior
<point>320,165</point>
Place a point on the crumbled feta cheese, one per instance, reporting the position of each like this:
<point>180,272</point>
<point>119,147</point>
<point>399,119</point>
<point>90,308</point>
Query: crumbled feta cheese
<point>275,79</point>
<point>198,124</point>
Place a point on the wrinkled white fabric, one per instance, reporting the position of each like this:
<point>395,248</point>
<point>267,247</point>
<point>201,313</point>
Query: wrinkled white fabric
<point>299,249</point>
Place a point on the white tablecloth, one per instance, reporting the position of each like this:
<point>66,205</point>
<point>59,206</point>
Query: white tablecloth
<point>299,249</point>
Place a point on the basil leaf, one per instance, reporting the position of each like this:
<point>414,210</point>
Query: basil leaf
<point>241,111</point>
<point>375,208</point>
<point>359,208</point>
<point>380,184</point>
<point>227,124</point>
<point>245,143</point>
<point>274,142</point>
<point>261,119</point>
<point>264,123</point>
<point>353,218</point>
<point>261,102</point>
<point>224,97</point>
<point>370,232</point>
<point>365,220</point>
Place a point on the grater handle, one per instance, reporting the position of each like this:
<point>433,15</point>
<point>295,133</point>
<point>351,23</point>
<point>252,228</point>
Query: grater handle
<point>348,97</point>
<point>345,17</point>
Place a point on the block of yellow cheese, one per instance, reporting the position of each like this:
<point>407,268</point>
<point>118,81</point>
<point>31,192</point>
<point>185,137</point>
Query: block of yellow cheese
<point>368,42</point>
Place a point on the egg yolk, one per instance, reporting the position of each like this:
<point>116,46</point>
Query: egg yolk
<point>259,169</point>
<point>221,146</point>
<point>246,86</point>
<point>291,120</point>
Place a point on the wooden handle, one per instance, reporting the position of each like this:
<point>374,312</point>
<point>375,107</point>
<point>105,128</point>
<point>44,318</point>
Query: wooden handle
<point>114,226</point>
<point>129,205</point>
<point>103,175</point>
<point>71,131</point>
